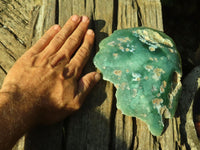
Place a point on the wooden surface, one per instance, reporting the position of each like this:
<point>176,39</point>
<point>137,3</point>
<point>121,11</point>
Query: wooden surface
<point>98,125</point>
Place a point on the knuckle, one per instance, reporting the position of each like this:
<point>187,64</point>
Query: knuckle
<point>84,51</point>
<point>43,40</point>
<point>68,72</point>
<point>80,31</point>
<point>67,58</point>
<point>82,54</point>
<point>30,59</point>
<point>31,53</point>
<point>73,39</point>
<point>59,38</point>
<point>69,26</point>
<point>88,83</point>
<point>34,58</point>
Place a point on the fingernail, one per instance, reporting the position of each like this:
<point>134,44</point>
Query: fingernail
<point>90,32</point>
<point>56,27</point>
<point>97,77</point>
<point>84,19</point>
<point>75,18</point>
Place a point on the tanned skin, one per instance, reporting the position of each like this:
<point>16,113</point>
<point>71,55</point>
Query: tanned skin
<point>45,85</point>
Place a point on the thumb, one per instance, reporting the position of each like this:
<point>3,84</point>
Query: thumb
<point>86,83</point>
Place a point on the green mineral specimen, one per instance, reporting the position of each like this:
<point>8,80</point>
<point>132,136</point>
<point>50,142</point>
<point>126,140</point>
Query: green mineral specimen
<point>145,67</point>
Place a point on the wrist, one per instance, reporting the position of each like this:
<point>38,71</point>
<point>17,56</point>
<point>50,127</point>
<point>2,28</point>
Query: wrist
<point>15,120</point>
<point>18,108</point>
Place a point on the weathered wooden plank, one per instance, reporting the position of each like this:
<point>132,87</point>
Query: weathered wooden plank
<point>68,8</point>
<point>125,126</point>
<point>11,45</point>
<point>150,13</point>
<point>151,16</point>
<point>21,25</point>
<point>98,125</point>
<point>15,29</point>
<point>90,127</point>
<point>127,14</point>
<point>45,138</point>
<point>2,76</point>
<point>4,55</point>
<point>16,15</point>
<point>130,14</point>
<point>50,137</point>
<point>46,17</point>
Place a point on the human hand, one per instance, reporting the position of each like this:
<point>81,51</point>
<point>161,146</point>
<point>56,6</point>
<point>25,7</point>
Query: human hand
<point>46,79</point>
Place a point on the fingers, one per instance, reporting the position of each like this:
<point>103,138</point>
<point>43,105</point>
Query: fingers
<point>45,40</point>
<point>63,43</point>
<point>73,41</point>
<point>76,38</point>
<point>86,83</point>
<point>62,36</point>
<point>82,55</point>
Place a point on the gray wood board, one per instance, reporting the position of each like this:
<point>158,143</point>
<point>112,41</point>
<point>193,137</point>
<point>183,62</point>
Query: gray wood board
<point>98,125</point>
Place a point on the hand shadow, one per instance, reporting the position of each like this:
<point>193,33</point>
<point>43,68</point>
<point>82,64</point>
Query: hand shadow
<point>98,93</point>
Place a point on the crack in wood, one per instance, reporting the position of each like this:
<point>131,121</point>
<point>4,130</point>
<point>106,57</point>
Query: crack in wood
<point>63,137</point>
<point>112,123</point>
<point>132,4</point>
<point>3,70</point>
<point>57,12</point>
<point>94,8</point>
<point>15,36</point>
<point>115,15</point>
<point>18,3</point>
<point>35,21</point>
<point>134,133</point>
<point>140,22</point>
<point>8,51</point>
<point>85,2</point>
<point>16,13</point>
<point>160,147</point>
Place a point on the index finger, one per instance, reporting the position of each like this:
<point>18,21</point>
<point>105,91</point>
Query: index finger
<point>60,38</point>
<point>45,39</point>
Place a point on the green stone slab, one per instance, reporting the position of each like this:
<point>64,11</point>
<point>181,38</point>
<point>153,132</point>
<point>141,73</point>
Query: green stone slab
<point>145,67</point>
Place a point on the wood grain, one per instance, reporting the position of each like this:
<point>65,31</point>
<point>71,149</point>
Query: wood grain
<point>94,118</point>
<point>98,125</point>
